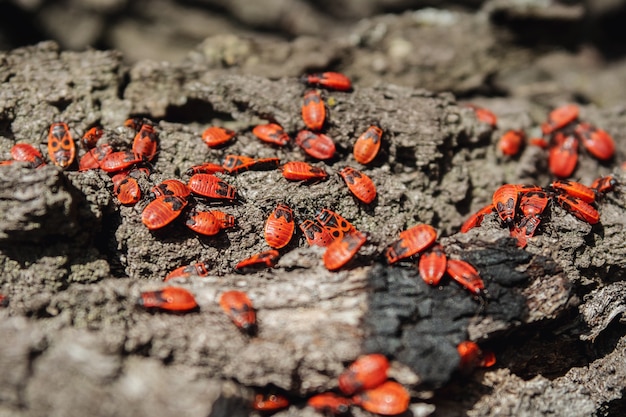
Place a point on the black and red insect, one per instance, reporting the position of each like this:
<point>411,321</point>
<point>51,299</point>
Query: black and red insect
<point>216,136</point>
<point>91,137</point>
<point>315,234</point>
<point>330,80</point>
<point>263,259</point>
<point>433,264</point>
<point>472,356</point>
<point>389,398</point>
<point>162,211</point>
<point>205,168</point>
<point>476,219</point>
<point>329,403</point>
<point>94,157</point>
<point>127,191</point>
<point>173,299</point>
<point>303,171</point>
<point>119,161</point>
<point>271,133</point>
<point>466,275</point>
<point>198,269</point>
<point>316,145</point>
<point>170,187</point>
<point>367,145</point>
<point>413,240</point>
<point>359,184</point>
<point>279,226</point>
<point>146,143</point>
<point>511,142</point>
<point>238,307</point>
<point>367,371</point>
<point>23,152</point>
<point>336,225</point>
<point>343,249</point>
<point>484,115</point>
<point>61,146</point>
<point>313,110</point>
<point>203,222</point>
<point>210,186</point>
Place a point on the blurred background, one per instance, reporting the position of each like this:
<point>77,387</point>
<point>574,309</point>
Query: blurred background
<point>168,29</point>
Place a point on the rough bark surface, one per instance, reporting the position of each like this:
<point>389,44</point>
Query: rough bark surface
<point>74,261</point>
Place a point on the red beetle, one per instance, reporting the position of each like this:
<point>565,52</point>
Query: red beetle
<point>389,398</point>
<point>215,136</point>
<point>511,142</point>
<point>336,225</point>
<point>162,211</point>
<point>95,156</point>
<point>145,144</point>
<point>472,356</point>
<point>330,80</point>
<point>367,371</point>
<point>505,202</point>
<point>563,156</point>
<point>239,309</point>
<point>91,137</point>
<point>234,164</point>
<point>579,208</point>
<point>315,233</point>
<point>413,240</point>
<point>342,250</point>
<point>329,403</point>
<point>466,275</point>
<point>303,171</point>
<point>127,191</point>
<point>313,110</point>
<point>432,265</point>
<point>225,220</point>
<point>359,184</point>
<point>484,115</point>
<point>269,402</point>
<point>171,187</point>
<point>206,168</point>
<point>267,258</point>
<point>318,146</point>
<point>525,229</point>
<point>271,133</point>
<point>575,189</point>
<point>597,141</point>
<point>603,185</point>
<point>135,123</point>
<point>199,269</point>
<point>210,186</point>
<point>203,222</point>
<point>559,118</point>
<point>367,145</point>
<point>61,147</point>
<point>477,218</point>
<point>279,227</point>
<point>119,161</point>
<point>23,152</point>
<point>533,203</point>
<point>171,299</point>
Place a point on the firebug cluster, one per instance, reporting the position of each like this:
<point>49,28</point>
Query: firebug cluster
<point>365,383</point>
